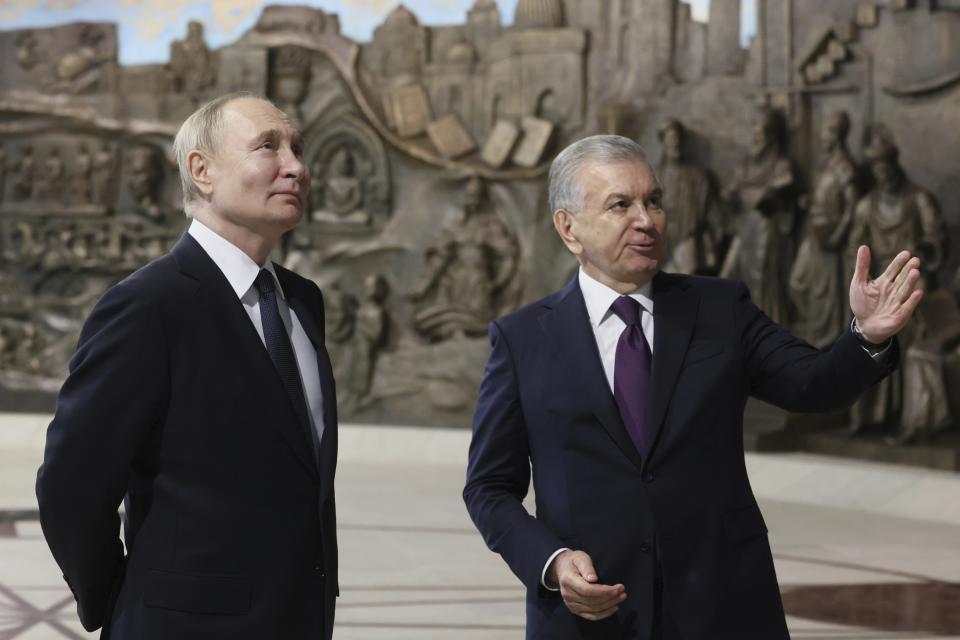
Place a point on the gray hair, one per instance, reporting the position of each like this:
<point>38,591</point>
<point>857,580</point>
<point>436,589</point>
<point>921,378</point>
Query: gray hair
<point>564,188</point>
<point>202,131</point>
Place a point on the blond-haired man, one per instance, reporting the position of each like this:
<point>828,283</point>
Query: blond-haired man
<point>201,395</point>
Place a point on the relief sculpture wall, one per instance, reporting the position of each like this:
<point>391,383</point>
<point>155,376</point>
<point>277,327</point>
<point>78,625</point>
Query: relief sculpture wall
<point>428,148</point>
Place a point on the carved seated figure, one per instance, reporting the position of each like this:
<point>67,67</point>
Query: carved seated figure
<point>467,269</point>
<point>338,195</point>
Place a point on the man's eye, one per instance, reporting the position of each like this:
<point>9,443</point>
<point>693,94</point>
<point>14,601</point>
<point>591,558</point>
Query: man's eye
<point>619,204</point>
<point>297,150</point>
<point>655,202</point>
<point>267,145</point>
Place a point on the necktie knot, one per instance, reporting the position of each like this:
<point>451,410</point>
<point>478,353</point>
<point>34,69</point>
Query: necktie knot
<point>264,282</point>
<point>627,309</point>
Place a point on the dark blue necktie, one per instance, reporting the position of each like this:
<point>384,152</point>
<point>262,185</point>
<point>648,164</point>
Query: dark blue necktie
<point>631,371</point>
<point>281,350</point>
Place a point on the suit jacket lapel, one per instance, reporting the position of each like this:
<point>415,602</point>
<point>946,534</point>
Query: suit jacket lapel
<point>674,315</point>
<point>222,303</point>
<point>310,319</point>
<point>568,326</point>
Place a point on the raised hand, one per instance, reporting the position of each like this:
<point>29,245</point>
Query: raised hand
<point>883,306</point>
<point>574,572</point>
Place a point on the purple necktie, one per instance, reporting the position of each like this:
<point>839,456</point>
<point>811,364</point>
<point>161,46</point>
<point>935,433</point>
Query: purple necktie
<point>631,371</point>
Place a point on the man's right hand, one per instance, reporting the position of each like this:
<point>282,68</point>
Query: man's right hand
<point>574,573</point>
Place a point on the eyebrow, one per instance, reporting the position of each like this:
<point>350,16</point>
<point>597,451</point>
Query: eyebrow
<point>616,196</point>
<point>610,199</point>
<point>274,134</point>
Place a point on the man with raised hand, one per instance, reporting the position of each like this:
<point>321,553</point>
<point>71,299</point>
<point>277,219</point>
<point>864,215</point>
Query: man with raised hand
<point>624,393</point>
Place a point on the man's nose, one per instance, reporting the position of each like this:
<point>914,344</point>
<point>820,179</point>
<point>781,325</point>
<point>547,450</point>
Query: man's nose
<point>293,166</point>
<point>640,216</point>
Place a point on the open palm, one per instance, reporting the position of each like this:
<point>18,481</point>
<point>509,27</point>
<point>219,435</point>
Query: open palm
<point>883,306</point>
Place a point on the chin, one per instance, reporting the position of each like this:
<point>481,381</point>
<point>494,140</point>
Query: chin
<point>289,217</point>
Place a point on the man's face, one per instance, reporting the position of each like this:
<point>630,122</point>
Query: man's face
<point>257,174</point>
<point>618,236</point>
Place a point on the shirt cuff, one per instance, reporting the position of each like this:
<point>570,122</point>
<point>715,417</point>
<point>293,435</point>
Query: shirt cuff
<point>543,574</point>
<point>876,351</point>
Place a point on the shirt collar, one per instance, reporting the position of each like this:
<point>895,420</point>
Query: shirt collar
<point>598,298</point>
<point>239,269</point>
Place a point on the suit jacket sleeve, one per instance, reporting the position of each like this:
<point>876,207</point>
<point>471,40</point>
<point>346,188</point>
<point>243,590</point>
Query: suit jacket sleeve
<point>498,471</point>
<point>793,375</point>
<point>114,394</point>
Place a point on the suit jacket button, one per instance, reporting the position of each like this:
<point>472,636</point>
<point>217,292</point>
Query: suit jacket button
<point>317,569</point>
<point>648,477</point>
<point>645,546</point>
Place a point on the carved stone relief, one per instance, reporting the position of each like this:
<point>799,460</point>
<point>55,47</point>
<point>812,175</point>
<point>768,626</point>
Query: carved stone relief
<point>62,244</point>
<point>763,194</point>
<point>72,59</point>
<point>289,78</point>
<point>467,270</point>
<point>690,200</point>
<point>193,67</point>
<point>350,187</point>
<point>428,148</point>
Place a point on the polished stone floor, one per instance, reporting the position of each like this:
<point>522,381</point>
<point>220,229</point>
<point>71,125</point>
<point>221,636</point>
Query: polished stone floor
<point>862,551</point>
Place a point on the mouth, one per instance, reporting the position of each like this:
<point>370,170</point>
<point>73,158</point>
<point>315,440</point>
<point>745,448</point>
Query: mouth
<point>291,194</point>
<point>642,247</point>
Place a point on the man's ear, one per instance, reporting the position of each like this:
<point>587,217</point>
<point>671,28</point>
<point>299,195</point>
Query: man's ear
<point>199,165</point>
<point>564,222</point>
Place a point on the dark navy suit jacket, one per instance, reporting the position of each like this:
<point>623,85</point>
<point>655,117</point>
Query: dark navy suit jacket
<point>544,403</point>
<point>173,402</point>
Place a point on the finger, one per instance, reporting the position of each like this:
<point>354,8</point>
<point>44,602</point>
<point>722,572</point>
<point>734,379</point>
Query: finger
<point>595,604</point>
<point>862,271</point>
<point>907,288</point>
<point>584,565</point>
<point>910,305</point>
<point>585,591</point>
<point>600,615</point>
<point>896,265</point>
<point>911,265</point>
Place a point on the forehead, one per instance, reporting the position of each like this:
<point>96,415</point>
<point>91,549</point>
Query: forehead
<point>250,117</point>
<point>628,177</point>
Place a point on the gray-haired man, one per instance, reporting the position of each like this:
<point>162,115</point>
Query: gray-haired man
<point>624,393</point>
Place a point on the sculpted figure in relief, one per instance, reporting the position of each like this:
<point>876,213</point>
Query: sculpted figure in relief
<point>191,62</point>
<point>895,215</point>
<point>688,197</point>
<point>818,279</point>
<point>763,192</point>
<point>80,177</point>
<point>467,269</point>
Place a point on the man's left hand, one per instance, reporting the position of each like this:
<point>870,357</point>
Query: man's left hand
<point>883,306</point>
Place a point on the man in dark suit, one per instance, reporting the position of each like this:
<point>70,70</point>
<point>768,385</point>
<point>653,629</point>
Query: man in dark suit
<point>624,392</point>
<point>202,396</point>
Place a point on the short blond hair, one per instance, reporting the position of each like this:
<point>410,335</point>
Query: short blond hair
<point>202,131</point>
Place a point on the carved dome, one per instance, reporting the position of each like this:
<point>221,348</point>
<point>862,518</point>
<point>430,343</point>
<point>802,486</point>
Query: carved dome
<point>461,53</point>
<point>485,4</point>
<point>401,16</point>
<point>539,14</point>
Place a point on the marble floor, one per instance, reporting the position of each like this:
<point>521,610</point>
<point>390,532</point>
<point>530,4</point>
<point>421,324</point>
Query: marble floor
<point>412,565</point>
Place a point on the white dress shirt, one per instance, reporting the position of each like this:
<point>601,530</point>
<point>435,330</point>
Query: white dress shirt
<point>241,272</point>
<point>607,327</point>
